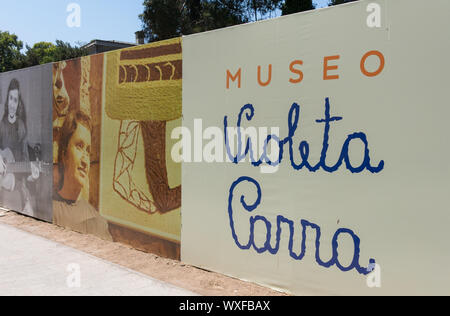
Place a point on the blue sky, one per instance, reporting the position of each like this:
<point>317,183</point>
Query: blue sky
<point>45,20</point>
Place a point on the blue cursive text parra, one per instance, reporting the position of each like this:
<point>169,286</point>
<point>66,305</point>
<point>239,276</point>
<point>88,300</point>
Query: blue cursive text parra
<point>250,207</point>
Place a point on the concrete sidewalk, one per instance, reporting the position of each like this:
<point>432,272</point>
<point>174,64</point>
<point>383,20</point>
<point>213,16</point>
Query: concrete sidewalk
<point>31,265</point>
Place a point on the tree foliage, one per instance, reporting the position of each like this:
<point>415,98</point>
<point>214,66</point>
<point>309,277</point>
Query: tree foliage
<point>218,14</point>
<point>261,8</point>
<point>64,51</point>
<point>12,58</point>
<point>164,19</point>
<point>10,55</point>
<point>45,52</point>
<point>40,53</point>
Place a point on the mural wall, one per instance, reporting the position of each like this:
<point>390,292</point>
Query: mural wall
<point>25,141</point>
<point>112,119</point>
<point>77,104</point>
<point>314,148</point>
<point>141,185</point>
<point>337,181</point>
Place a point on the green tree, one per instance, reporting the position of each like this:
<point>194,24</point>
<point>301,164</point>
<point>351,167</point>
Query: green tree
<point>10,56</point>
<point>40,53</point>
<point>261,8</point>
<point>294,6</point>
<point>45,52</point>
<point>219,14</point>
<point>64,51</point>
<point>164,19</point>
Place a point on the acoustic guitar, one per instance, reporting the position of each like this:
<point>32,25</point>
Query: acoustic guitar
<point>8,179</point>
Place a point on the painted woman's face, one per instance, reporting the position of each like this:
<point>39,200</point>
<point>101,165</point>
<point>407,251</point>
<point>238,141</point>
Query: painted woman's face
<point>60,96</point>
<point>13,102</point>
<point>77,158</point>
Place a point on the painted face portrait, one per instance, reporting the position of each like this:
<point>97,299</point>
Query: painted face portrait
<point>74,152</point>
<point>13,102</point>
<point>60,96</point>
<point>77,158</point>
<point>71,209</point>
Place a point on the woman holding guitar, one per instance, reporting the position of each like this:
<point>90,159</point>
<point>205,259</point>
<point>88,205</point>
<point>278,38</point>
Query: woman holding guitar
<point>14,149</point>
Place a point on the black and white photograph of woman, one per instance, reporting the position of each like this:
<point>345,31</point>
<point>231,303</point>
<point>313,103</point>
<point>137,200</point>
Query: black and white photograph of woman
<point>18,170</point>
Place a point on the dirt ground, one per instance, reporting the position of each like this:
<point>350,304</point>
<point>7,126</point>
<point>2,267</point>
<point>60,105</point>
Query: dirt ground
<point>174,272</point>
